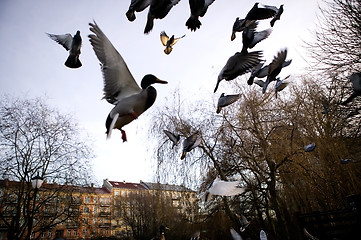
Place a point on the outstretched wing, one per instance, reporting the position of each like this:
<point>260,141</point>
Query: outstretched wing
<point>64,40</point>
<point>118,81</point>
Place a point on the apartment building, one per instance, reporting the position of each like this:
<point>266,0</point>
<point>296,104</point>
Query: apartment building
<point>88,212</point>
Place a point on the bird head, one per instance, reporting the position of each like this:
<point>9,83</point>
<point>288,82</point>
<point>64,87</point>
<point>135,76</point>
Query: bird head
<point>149,79</point>
<point>162,229</point>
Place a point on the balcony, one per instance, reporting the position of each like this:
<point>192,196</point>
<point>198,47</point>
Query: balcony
<point>102,214</point>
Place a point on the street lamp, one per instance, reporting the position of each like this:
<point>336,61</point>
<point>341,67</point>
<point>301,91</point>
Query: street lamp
<point>36,183</point>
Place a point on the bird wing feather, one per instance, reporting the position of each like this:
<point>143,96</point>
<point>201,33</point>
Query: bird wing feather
<point>224,188</point>
<point>118,80</point>
<point>235,235</point>
<point>64,40</point>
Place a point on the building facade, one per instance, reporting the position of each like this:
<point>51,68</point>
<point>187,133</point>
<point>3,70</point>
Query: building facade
<point>74,212</point>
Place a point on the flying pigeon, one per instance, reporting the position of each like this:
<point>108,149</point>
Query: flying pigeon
<point>198,9</point>
<point>235,235</point>
<point>223,188</point>
<point>280,85</point>
<point>347,160</point>
<point>190,143</point>
<point>279,12</point>
<point>259,13</point>
<point>250,37</point>
<point>136,6</point>
<point>310,147</point>
<point>196,236</point>
<point>158,9</point>
<point>168,42</point>
<point>238,64</point>
<point>71,44</point>
<point>175,138</point>
<point>244,222</point>
<point>239,25</point>
<point>120,88</point>
<point>262,235</point>
<point>225,100</point>
<point>355,79</point>
<point>260,72</point>
<point>275,68</point>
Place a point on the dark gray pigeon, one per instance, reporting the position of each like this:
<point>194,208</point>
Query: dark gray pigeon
<point>136,6</point>
<point>260,72</point>
<point>260,13</point>
<point>158,9</point>
<point>355,79</point>
<point>310,147</point>
<point>239,64</point>
<point>280,85</point>
<point>175,138</point>
<point>279,12</point>
<point>250,37</point>
<point>71,44</point>
<point>198,9</point>
<point>275,68</point>
<point>346,160</point>
<point>190,143</point>
<point>239,25</point>
<point>225,100</point>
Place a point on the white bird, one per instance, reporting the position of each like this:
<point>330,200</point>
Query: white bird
<point>175,138</point>
<point>120,88</point>
<point>262,235</point>
<point>310,147</point>
<point>235,235</point>
<point>223,188</point>
<point>71,44</point>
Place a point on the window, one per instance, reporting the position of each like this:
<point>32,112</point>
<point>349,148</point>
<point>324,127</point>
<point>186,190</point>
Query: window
<point>107,200</point>
<point>86,220</point>
<point>86,210</point>
<point>101,200</point>
<point>69,232</point>
<point>85,232</point>
<point>106,231</point>
<point>95,200</point>
<point>50,234</point>
<point>86,199</point>
<point>116,193</point>
<point>106,210</point>
<point>43,234</point>
<point>75,232</point>
<point>95,210</point>
<point>94,220</point>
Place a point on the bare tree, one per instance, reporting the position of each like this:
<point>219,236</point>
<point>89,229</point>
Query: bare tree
<point>38,140</point>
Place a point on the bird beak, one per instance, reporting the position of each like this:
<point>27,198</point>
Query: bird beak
<point>160,81</point>
<point>233,36</point>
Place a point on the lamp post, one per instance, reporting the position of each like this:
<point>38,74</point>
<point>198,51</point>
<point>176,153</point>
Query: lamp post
<point>36,183</point>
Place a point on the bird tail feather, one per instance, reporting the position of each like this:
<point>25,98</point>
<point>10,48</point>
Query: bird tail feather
<point>73,62</point>
<point>149,25</point>
<point>193,23</point>
<point>130,15</point>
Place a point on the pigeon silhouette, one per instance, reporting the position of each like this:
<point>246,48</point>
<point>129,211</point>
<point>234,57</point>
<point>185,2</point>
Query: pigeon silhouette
<point>190,143</point>
<point>262,235</point>
<point>198,9</point>
<point>168,42</point>
<point>238,64</point>
<point>259,13</point>
<point>239,25</point>
<point>225,100</point>
<point>280,85</point>
<point>355,79</point>
<point>279,12</point>
<point>250,37</point>
<point>175,138</point>
<point>136,6</point>
<point>158,9</point>
<point>310,147</point>
<point>275,68</point>
<point>71,44</point>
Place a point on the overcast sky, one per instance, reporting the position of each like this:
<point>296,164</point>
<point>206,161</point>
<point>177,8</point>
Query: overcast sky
<point>32,65</point>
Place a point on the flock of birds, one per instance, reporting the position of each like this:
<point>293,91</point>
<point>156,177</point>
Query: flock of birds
<point>130,100</point>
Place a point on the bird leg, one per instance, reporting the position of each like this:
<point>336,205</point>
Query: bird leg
<point>124,136</point>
